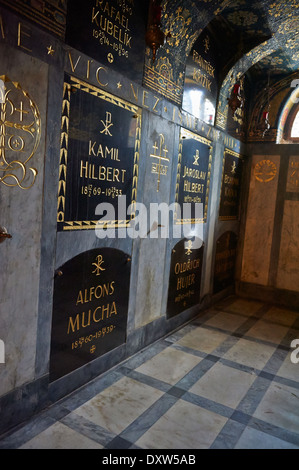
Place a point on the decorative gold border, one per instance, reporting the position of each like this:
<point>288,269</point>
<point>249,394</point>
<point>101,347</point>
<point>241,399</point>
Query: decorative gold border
<point>203,140</point>
<point>237,155</point>
<point>40,17</point>
<point>151,78</point>
<point>85,224</point>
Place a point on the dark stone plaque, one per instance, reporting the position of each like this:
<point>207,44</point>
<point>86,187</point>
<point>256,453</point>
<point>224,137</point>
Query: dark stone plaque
<point>99,157</point>
<point>231,185</point>
<point>91,294</point>
<point>47,14</point>
<point>111,32</point>
<point>225,259</point>
<point>193,175</point>
<point>185,276</point>
<point>201,78</point>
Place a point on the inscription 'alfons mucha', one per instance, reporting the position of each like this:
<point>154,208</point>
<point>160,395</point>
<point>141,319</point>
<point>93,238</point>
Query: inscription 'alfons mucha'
<point>20,130</point>
<point>100,143</point>
<point>90,307</point>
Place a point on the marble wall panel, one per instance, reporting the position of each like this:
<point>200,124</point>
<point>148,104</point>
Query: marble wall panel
<point>260,219</point>
<point>160,136</point>
<point>21,214</point>
<point>288,272</point>
<point>293,175</point>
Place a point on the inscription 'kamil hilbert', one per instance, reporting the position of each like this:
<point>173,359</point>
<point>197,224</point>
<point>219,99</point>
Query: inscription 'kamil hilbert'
<point>103,172</point>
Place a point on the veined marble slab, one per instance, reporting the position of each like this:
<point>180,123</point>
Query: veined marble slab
<point>288,272</point>
<point>260,219</point>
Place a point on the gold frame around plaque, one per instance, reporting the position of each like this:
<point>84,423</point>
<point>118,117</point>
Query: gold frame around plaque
<point>92,224</point>
<point>199,138</point>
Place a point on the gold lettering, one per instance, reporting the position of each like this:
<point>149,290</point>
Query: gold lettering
<point>134,93</point>
<point>145,96</point>
<point>80,298</point>
<point>98,78</point>
<point>154,108</point>
<point>73,324</point>
<point>89,62</point>
<point>73,67</point>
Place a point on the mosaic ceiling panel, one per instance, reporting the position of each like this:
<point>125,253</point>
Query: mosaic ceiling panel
<point>265,31</point>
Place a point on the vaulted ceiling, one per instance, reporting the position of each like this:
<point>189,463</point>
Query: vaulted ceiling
<point>240,26</point>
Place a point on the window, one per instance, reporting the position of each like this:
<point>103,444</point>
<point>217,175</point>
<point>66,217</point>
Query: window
<point>295,127</point>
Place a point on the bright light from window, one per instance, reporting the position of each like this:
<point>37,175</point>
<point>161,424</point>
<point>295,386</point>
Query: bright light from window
<point>295,127</point>
<point>195,99</point>
<point>209,112</point>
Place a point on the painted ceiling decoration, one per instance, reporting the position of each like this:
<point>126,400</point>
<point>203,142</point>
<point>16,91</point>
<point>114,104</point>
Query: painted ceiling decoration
<point>253,38</point>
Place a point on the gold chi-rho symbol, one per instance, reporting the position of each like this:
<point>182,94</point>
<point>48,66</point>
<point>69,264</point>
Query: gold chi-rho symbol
<point>98,265</point>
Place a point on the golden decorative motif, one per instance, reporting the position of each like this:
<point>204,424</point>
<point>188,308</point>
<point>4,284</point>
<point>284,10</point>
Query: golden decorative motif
<point>265,171</point>
<point>20,131</point>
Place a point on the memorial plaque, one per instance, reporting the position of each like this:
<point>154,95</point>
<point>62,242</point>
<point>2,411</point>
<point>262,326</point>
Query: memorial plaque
<point>111,32</point>
<point>201,78</point>
<point>193,175</point>
<point>99,158</point>
<point>231,185</point>
<point>185,276</point>
<point>225,260</point>
<point>91,294</point>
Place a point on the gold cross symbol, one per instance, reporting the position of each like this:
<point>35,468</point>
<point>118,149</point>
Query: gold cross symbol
<point>159,168</point>
<point>196,157</point>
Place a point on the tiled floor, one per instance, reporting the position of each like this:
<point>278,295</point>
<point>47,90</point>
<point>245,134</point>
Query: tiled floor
<point>225,380</point>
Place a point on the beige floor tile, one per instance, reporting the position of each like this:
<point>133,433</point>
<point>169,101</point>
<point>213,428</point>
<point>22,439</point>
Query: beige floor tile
<point>253,439</point>
<point>203,339</point>
<point>250,353</point>
<point>170,365</point>
<point>224,385</point>
<point>280,407</point>
<point>244,307</point>
<point>226,321</point>
<point>281,316</point>
<point>184,426</point>
<point>267,332</point>
<point>119,405</point>
<point>60,436</point>
<point>288,369</point>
